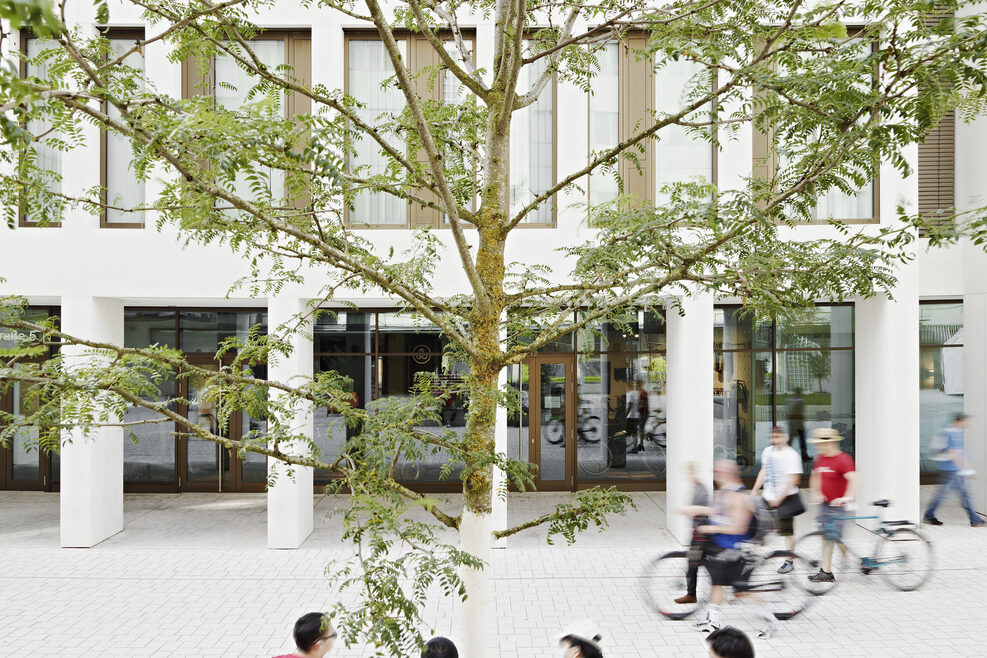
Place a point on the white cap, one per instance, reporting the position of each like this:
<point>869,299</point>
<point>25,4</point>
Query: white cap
<point>584,630</point>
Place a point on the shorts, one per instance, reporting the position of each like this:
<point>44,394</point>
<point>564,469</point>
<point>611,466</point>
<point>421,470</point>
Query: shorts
<point>726,567</point>
<point>830,520</point>
<point>785,526</point>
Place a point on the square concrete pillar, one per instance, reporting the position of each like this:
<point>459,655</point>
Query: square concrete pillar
<point>975,371</point>
<point>290,501</point>
<point>690,406</point>
<point>91,498</point>
<point>887,398</point>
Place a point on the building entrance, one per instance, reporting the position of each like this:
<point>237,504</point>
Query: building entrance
<point>208,466</point>
<point>552,409</point>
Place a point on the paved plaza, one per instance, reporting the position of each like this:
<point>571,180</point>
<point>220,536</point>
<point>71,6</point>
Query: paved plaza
<point>189,576</point>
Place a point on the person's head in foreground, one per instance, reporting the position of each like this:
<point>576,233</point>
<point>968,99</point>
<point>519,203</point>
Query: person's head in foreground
<point>729,642</point>
<point>314,635</point>
<point>580,639</point>
<point>827,441</point>
<point>440,647</point>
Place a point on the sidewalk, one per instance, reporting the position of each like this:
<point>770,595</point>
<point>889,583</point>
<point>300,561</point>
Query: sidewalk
<point>190,576</point>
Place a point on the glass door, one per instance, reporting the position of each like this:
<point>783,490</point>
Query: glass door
<point>208,466</point>
<point>552,410</point>
<point>22,465</point>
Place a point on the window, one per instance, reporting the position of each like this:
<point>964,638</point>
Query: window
<point>941,373</point>
<point>796,372</point>
<point>626,93</point>
<point>774,155</point>
<point>39,208</point>
<point>123,189</point>
<point>532,161</point>
<point>231,87</point>
<point>937,154</point>
<point>368,66</point>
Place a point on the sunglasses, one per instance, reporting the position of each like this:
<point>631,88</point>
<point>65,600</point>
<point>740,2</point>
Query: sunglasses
<point>333,636</point>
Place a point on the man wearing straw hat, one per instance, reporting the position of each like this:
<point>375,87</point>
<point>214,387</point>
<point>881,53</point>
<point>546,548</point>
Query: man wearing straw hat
<point>833,484</point>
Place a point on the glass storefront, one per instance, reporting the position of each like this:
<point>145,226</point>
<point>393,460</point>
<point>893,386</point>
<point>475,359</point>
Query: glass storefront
<point>941,373</point>
<point>620,385</point>
<point>157,454</point>
<point>383,355</point>
<point>797,372</point>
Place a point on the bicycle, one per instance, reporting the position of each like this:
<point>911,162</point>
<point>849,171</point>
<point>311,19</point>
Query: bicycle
<point>653,456</point>
<point>900,553</point>
<point>665,580</point>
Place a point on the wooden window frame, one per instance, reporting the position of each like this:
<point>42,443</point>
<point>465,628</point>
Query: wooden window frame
<point>764,163</point>
<point>111,33</point>
<point>22,222</point>
<point>415,215</point>
<point>298,56</point>
<point>631,113</point>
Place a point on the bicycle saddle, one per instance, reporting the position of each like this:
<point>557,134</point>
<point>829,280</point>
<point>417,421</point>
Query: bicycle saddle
<point>884,502</point>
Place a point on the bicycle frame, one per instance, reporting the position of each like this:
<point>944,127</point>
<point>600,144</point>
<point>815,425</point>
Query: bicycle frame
<point>868,562</point>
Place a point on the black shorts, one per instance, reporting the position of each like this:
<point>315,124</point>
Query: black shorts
<point>726,567</point>
<point>785,526</point>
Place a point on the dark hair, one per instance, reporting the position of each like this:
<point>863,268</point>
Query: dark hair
<point>440,647</point>
<point>730,642</point>
<point>309,629</point>
<point>585,648</point>
<point>960,417</point>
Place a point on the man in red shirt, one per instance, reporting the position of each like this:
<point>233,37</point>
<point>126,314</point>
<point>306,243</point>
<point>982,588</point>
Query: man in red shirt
<point>833,483</point>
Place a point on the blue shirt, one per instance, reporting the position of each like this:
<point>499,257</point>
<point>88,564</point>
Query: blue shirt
<point>954,441</point>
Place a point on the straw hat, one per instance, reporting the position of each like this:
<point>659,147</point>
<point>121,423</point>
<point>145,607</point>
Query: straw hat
<point>584,630</point>
<point>824,435</point>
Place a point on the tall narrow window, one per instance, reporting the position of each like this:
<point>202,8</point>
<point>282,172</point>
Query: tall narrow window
<point>681,155</point>
<point>124,189</point>
<point>369,68</point>
<point>233,90</point>
<point>604,121</point>
<point>533,147</point>
<point>37,207</point>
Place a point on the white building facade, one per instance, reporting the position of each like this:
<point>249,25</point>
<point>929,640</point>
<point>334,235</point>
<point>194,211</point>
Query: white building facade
<point>887,373</point>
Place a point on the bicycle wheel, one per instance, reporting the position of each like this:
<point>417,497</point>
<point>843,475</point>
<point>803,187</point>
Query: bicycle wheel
<point>664,581</point>
<point>810,549</point>
<point>554,431</point>
<point>778,592</point>
<point>589,429</point>
<point>905,558</point>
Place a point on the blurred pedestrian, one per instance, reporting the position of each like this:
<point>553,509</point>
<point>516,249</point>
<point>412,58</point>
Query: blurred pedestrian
<point>781,471</point>
<point>440,647</point>
<point>638,410</point>
<point>314,636</point>
<point>700,498</point>
<point>730,527</point>
<point>729,642</point>
<point>833,484</point>
<point>954,468</point>
<point>580,639</point>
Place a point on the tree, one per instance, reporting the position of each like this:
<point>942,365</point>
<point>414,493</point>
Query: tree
<point>838,104</point>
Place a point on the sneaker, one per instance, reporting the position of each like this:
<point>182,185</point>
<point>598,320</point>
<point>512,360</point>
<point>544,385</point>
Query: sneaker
<point>822,577</point>
<point>687,598</point>
<point>978,524</point>
<point>786,567</point>
<point>931,520</point>
<point>766,631</point>
<point>706,626</point>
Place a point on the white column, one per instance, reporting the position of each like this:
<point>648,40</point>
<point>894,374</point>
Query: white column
<point>290,502</point>
<point>690,406</point>
<point>971,169</point>
<point>887,396</point>
<point>91,499</point>
<point>975,387</point>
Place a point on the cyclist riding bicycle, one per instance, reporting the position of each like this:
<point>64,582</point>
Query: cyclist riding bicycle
<point>730,527</point>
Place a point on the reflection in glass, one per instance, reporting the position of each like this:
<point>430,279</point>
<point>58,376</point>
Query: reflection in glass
<point>517,419</point>
<point>608,423</point>
<point>204,458</point>
<point>636,331</point>
<point>817,326</point>
<point>734,329</point>
<point>152,457</point>
<point>253,466</point>
<point>344,331</point>
<point>940,374</point>
<point>552,425</point>
<point>204,331</point>
<point>742,421</point>
<point>24,452</point>
<point>143,328</point>
<point>331,432</point>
